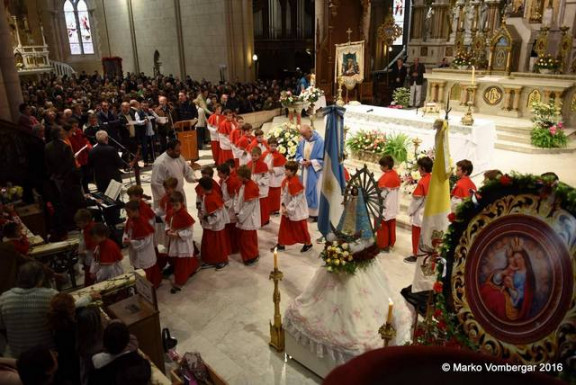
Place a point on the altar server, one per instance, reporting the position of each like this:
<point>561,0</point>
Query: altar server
<point>136,194</point>
<point>179,228</point>
<point>139,237</point>
<point>213,218</point>
<point>107,255</point>
<point>275,162</point>
<point>247,210</point>
<point>294,210</point>
<point>84,222</point>
<point>261,175</point>
<point>224,130</point>
<point>230,185</point>
<point>464,186</point>
<point>259,141</point>
<point>243,145</point>
<point>416,209</point>
<point>213,125</point>
<point>389,185</point>
<point>206,172</point>
<point>310,156</point>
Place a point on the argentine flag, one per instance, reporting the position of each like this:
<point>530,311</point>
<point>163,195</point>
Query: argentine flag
<point>333,182</point>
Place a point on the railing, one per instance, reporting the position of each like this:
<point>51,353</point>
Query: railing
<point>62,69</point>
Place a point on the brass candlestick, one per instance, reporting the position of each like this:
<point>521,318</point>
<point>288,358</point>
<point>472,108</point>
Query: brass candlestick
<point>276,329</point>
<point>416,142</point>
<point>467,119</point>
<point>387,332</point>
<point>339,100</point>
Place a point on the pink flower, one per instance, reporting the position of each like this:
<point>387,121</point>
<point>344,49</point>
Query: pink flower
<point>552,130</point>
<point>560,125</point>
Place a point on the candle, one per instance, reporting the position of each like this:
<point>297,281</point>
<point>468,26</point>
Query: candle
<point>473,74</point>
<point>275,258</point>
<point>390,312</point>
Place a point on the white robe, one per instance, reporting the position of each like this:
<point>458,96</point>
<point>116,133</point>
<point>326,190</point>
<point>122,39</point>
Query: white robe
<point>141,251</point>
<point>296,205</point>
<point>228,202</point>
<point>215,221</point>
<point>277,174</point>
<point>416,210</point>
<point>263,181</point>
<point>391,203</point>
<point>166,167</point>
<point>248,212</point>
<point>183,245</point>
<point>213,130</point>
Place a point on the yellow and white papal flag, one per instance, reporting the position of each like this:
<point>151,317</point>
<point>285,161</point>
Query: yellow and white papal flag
<point>437,207</point>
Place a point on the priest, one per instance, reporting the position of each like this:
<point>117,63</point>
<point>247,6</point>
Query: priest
<point>310,156</point>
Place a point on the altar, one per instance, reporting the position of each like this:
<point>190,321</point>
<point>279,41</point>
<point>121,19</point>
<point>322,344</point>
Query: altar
<point>475,143</point>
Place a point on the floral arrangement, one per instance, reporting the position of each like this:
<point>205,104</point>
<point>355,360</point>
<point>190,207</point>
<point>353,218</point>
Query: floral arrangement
<point>462,59</point>
<point>346,255</point>
<point>288,137</point>
<point>492,191</point>
<point>10,194</point>
<point>548,130</point>
<point>287,97</point>
<point>401,98</point>
<point>547,62</point>
<point>364,140</point>
<point>311,94</point>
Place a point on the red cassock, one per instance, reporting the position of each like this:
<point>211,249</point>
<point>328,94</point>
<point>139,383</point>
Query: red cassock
<point>109,252</point>
<point>235,135</point>
<point>21,245</point>
<point>255,143</point>
<point>215,187</point>
<point>233,185</point>
<point>386,234</point>
<point>183,267</point>
<point>421,191</point>
<point>275,193</point>
<point>248,239</point>
<point>140,228</point>
<point>214,121</point>
<point>259,167</point>
<point>462,187</point>
<point>165,204</point>
<point>77,141</point>
<point>226,127</point>
<point>292,232</point>
<point>215,244</point>
<point>146,211</point>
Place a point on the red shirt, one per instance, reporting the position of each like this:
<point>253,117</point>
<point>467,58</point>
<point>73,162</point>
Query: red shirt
<point>258,167</point>
<point>422,186</point>
<point>77,141</point>
<point>462,187</point>
<point>389,179</point>
<point>294,185</point>
<point>108,252</point>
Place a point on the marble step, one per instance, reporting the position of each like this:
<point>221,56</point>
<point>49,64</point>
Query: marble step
<point>529,149</point>
<point>512,137</point>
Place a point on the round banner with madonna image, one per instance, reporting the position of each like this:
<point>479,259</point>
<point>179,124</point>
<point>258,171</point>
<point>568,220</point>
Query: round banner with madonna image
<point>511,268</point>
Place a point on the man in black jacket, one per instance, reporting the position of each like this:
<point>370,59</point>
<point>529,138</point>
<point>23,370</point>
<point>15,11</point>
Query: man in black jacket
<point>109,121</point>
<point>105,162</point>
<point>185,110</point>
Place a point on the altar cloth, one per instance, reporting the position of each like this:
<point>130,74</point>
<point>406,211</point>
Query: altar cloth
<point>475,143</point>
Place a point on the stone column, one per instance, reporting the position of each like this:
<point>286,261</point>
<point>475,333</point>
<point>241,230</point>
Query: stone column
<point>546,97</point>
<point>463,94</point>
<point>441,92</point>
<point>506,104</point>
<point>10,91</point>
<point>472,98</point>
<point>517,94</point>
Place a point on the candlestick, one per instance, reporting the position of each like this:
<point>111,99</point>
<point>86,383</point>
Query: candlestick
<point>275,258</point>
<point>473,74</point>
<point>390,312</point>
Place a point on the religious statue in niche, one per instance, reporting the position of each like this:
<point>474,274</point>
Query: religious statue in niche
<point>157,63</point>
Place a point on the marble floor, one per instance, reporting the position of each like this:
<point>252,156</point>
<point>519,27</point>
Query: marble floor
<point>225,314</point>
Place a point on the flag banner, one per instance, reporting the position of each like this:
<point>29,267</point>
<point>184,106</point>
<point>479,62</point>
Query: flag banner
<point>333,183</point>
<point>436,210</point>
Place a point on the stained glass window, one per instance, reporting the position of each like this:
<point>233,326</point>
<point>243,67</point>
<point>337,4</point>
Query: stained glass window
<point>78,27</point>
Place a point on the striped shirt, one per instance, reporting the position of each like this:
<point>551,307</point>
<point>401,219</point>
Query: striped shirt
<point>24,316</point>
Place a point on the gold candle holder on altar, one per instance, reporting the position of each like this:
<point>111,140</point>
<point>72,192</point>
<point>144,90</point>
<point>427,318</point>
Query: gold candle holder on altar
<point>416,141</point>
<point>339,100</point>
<point>276,329</point>
<point>467,119</point>
<point>387,331</point>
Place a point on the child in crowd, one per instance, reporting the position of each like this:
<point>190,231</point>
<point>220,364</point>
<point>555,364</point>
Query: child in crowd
<point>259,141</point>
<point>224,130</point>
<point>261,176</point>
<point>136,193</point>
<point>416,209</point>
<point>164,207</point>
<point>389,185</point>
<point>275,162</point>
<point>464,186</point>
<point>213,218</point>
<point>293,224</point>
<point>181,247</point>
<point>207,172</point>
<point>13,232</point>
<point>213,123</point>
<point>230,185</point>
<point>85,222</point>
<point>106,263</point>
<point>247,209</point>
<point>491,175</point>
<point>139,237</point>
<point>243,146</point>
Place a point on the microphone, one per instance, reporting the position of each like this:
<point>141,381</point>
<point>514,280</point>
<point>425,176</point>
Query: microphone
<point>370,110</point>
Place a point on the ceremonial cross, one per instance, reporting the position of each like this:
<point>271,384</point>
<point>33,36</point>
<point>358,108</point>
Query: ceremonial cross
<point>349,32</point>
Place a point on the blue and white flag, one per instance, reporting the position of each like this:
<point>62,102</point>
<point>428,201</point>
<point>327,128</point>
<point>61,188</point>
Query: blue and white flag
<point>333,183</point>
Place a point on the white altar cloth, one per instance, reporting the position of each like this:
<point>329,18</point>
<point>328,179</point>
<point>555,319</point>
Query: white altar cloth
<point>475,143</point>
<point>337,317</point>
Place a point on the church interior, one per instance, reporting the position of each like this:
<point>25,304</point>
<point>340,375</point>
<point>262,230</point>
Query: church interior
<point>287,192</point>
